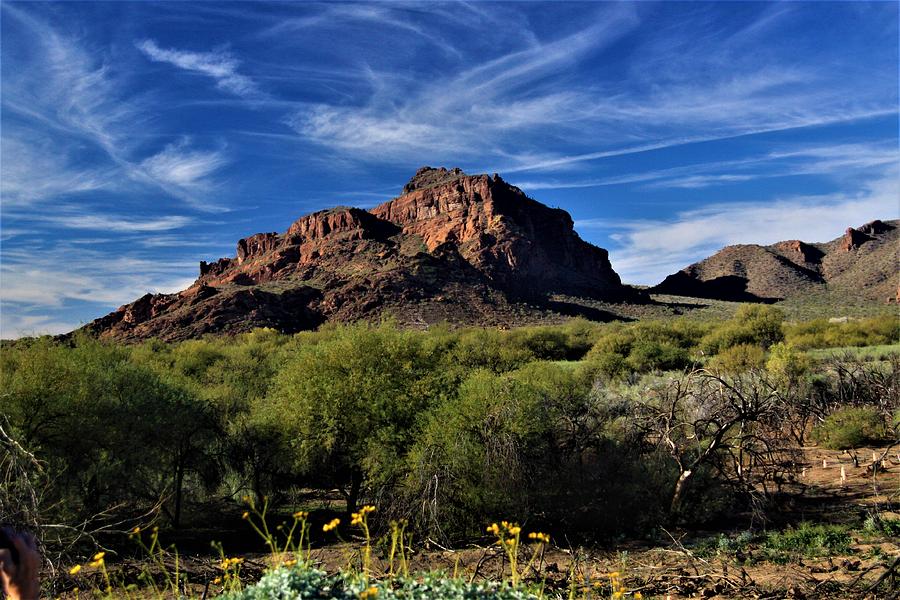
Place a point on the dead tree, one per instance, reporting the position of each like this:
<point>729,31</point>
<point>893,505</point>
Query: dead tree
<point>731,425</point>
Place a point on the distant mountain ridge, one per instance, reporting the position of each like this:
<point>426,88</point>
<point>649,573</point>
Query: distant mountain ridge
<point>462,248</point>
<point>861,263</point>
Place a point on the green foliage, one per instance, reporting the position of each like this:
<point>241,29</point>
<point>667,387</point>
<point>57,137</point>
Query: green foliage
<point>850,428</point>
<point>138,435</point>
<point>644,347</point>
<point>541,440</point>
<point>756,324</point>
<point>447,428</point>
<point>349,405</point>
<point>786,364</point>
<point>739,359</point>
<point>820,333</point>
<point>488,349</point>
<point>809,540</point>
<point>877,525</point>
<point>302,582</point>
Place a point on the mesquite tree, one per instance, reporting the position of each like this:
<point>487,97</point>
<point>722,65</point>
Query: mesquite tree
<point>731,425</point>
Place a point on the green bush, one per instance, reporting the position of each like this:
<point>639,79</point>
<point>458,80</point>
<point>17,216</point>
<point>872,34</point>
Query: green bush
<point>821,333</point>
<point>786,364</point>
<point>808,540</point>
<point>877,525</point>
<point>850,428</point>
<point>756,324</point>
<point>643,348</point>
<point>739,359</point>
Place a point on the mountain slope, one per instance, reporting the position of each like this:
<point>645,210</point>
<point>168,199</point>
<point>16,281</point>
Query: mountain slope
<point>469,249</point>
<point>861,264</point>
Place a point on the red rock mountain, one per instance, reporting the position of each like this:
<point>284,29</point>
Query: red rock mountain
<point>861,264</point>
<point>452,247</point>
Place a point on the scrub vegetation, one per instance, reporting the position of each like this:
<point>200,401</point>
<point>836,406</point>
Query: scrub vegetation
<point>592,433</point>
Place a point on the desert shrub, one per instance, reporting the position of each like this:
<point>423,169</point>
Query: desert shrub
<point>541,440</point>
<point>807,539</point>
<point>611,366</point>
<point>649,355</point>
<point>786,364</point>
<point>850,428</point>
<point>140,436</point>
<point>349,406</point>
<point>755,324</point>
<point>486,349</point>
<point>543,343</point>
<point>878,525</point>
<point>820,333</point>
<point>644,347</point>
<point>739,359</point>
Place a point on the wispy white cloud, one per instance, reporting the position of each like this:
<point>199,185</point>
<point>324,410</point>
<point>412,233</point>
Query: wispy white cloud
<point>117,224</point>
<point>178,165</point>
<point>220,65</point>
<point>833,160</point>
<point>84,98</point>
<point>370,15</point>
<point>691,82</point>
<point>87,276</point>
<point>14,325</point>
<point>37,169</point>
<point>464,113</point>
<point>648,250</point>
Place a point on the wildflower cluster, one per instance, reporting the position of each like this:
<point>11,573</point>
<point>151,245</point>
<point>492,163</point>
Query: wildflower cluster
<point>332,524</point>
<point>540,538</point>
<point>508,537</point>
<point>358,518</point>
<point>369,592</point>
<point>618,588</point>
<point>98,561</point>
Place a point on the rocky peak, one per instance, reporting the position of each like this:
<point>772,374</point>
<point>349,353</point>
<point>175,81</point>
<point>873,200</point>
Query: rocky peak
<point>429,176</point>
<point>353,222</point>
<point>451,244</point>
<point>853,239</point>
<point>518,242</point>
<point>876,227</point>
<point>796,250</point>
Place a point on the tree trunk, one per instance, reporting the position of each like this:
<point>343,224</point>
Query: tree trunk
<point>680,487</point>
<point>353,493</point>
<point>179,484</point>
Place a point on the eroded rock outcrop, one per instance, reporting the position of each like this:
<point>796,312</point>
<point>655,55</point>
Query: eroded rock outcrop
<point>451,247</point>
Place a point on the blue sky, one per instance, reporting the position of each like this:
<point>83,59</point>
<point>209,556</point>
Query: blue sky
<point>141,138</point>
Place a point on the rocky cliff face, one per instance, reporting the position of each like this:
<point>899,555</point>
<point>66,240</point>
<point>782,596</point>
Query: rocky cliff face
<point>521,245</point>
<point>863,264</point>
<point>452,247</point>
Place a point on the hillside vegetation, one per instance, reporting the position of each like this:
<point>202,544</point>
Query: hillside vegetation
<point>587,431</point>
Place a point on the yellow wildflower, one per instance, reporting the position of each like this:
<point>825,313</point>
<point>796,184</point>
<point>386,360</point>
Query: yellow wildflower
<point>246,515</point>
<point>99,555</point>
<point>331,525</point>
<point>301,515</point>
<point>74,570</point>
